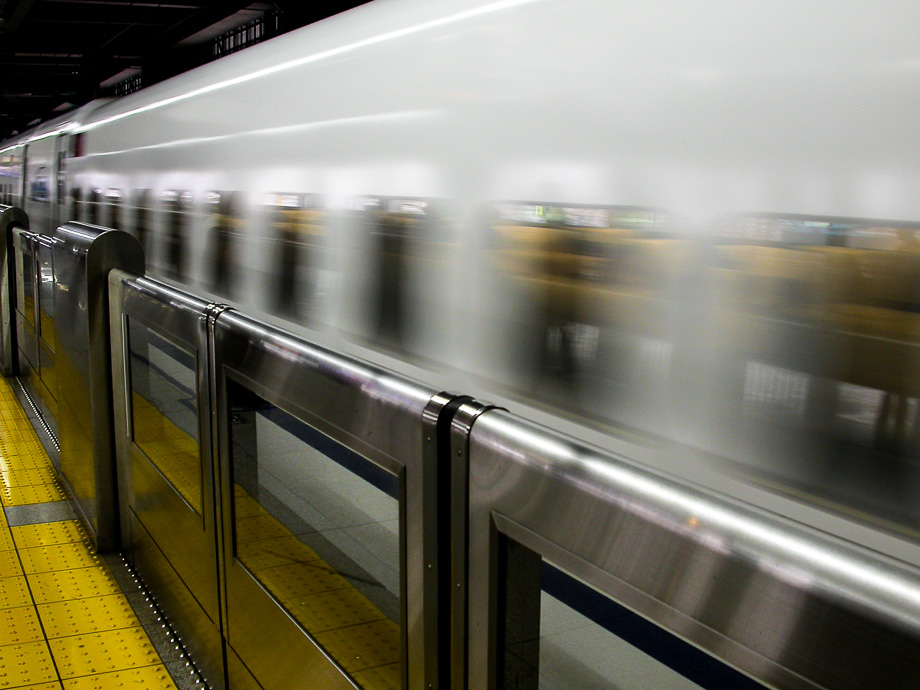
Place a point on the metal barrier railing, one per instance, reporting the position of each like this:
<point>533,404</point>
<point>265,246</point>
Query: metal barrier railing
<point>553,523</point>
<point>82,257</point>
<point>307,519</point>
<point>320,473</point>
<point>350,484</point>
<point>166,479</point>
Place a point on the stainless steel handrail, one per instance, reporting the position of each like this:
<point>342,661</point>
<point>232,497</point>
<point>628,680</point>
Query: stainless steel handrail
<point>784,603</point>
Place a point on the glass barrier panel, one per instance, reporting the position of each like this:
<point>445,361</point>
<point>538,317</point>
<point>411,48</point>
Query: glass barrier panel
<point>46,296</point>
<point>318,526</point>
<point>560,633</point>
<point>25,295</point>
<point>165,409</point>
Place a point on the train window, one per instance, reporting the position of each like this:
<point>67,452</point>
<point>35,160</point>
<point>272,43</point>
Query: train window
<point>296,228</point>
<point>113,202</point>
<point>164,409</point>
<point>92,206</point>
<point>177,217</point>
<point>395,226</point>
<point>39,185</point>
<point>319,527</point>
<point>224,231</point>
<point>142,218</point>
<point>76,195</point>
<point>61,178</point>
<point>582,286</point>
<point>560,632</point>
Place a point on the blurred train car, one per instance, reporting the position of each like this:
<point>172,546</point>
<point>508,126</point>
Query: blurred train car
<point>649,224</point>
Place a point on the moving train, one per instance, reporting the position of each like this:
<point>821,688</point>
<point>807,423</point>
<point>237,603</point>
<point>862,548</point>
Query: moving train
<point>649,224</point>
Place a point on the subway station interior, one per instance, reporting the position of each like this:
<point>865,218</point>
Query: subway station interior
<point>459,345</point>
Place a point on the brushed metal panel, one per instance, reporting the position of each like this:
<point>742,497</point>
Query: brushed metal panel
<point>238,676</point>
<point>24,297</point>
<point>790,606</point>
<point>187,538</point>
<point>371,412</point>
<point>195,630</point>
<point>83,255</point>
<point>11,217</point>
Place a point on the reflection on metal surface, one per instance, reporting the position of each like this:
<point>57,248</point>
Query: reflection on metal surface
<point>363,429</point>
<point>34,275</point>
<point>83,256</point>
<point>10,217</point>
<point>164,406</point>
<point>47,339</point>
<point>775,599</point>
<point>318,527</point>
<point>166,478</point>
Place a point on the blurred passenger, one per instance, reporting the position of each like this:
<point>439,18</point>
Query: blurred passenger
<point>297,231</point>
<point>225,225</point>
<point>113,201</point>
<point>73,213</point>
<point>142,220</point>
<point>405,240</point>
<point>908,240</point>
<point>178,208</point>
<point>392,236</point>
<point>92,207</point>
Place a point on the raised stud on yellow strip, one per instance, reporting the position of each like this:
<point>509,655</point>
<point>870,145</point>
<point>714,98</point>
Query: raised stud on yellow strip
<point>146,678</point>
<point>115,650</point>
<point>25,664</point>
<point>49,533</point>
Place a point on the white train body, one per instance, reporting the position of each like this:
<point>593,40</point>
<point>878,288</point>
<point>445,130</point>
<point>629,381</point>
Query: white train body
<point>696,112</point>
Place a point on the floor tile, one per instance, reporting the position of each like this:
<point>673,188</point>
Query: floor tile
<point>25,664</point>
<point>84,616</point>
<point>116,650</point>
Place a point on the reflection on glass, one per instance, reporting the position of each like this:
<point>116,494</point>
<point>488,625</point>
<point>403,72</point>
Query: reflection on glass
<point>165,409</point>
<point>560,633</point>
<point>25,295</point>
<point>318,526</point>
<point>46,296</point>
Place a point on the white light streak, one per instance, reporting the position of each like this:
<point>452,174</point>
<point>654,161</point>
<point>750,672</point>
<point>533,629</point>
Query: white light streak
<point>316,57</point>
<point>399,116</point>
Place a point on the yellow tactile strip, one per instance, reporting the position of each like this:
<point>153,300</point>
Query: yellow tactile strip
<point>64,623</point>
<point>346,623</point>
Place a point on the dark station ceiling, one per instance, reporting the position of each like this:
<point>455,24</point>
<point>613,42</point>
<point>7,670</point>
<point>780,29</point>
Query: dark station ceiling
<point>56,55</point>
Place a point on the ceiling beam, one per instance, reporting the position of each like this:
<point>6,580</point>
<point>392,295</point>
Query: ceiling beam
<point>19,13</point>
